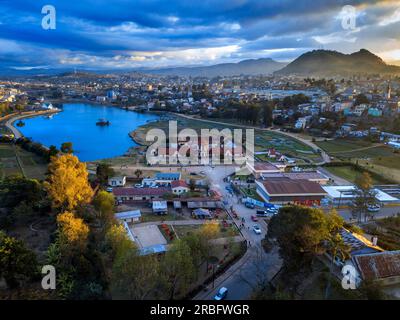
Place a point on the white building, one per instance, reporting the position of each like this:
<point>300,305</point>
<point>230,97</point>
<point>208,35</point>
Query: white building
<point>179,187</point>
<point>344,195</point>
<point>129,216</point>
<point>117,181</point>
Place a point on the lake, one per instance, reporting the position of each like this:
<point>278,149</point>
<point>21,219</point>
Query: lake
<point>77,124</point>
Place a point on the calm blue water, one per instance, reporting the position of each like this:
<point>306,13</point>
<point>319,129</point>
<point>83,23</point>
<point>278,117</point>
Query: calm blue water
<point>77,124</point>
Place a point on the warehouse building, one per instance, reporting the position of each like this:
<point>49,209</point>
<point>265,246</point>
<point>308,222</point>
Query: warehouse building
<point>290,191</point>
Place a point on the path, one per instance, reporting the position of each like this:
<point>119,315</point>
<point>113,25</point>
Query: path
<point>242,276</point>
<point>376,145</point>
<point>9,123</point>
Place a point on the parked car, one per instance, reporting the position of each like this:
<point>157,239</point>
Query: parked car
<point>266,213</point>
<point>249,205</point>
<point>254,218</point>
<point>221,294</point>
<point>374,208</point>
<point>138,185</point>
<point>109,189</point>
<point>256,229</point>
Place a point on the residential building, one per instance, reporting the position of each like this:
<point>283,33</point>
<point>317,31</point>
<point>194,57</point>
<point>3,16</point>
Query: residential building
<point>179,187</point>
<point>129,216</point>
<point>117,181</point>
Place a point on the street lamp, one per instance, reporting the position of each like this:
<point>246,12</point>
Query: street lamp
<point>214,262</point>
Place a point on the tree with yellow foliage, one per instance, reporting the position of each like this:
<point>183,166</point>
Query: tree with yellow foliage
<point>210,230</point>
<point>73,232</point>
<point>104,204</point>
<point>67,183</point>
<point>118,240</point>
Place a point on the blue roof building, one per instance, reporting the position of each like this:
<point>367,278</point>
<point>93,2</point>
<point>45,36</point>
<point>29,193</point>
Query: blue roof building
<point>168,176</point>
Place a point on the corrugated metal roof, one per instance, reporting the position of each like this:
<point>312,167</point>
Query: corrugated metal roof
<point>380,265</point>
<point>285,186</point>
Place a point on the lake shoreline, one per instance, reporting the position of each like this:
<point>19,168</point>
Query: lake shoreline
<point>17,133</point>
<point>76,125</point>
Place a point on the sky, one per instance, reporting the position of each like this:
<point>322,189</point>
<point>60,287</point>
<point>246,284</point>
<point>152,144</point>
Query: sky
<point>129,34</point>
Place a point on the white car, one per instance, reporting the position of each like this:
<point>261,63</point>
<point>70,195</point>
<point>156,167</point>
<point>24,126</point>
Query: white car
<point>256,229</point>
<point>221,294</point>
<point>374,208</point>
<point>109,189</point>
<point>139,185</point>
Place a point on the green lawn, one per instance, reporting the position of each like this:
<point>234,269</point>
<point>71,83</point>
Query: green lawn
<point>350,174</point>
<point>371,153</point>
<point>390,162</point>
<point>184,230</point>
<point>149,217</point>
<point>342,145</point>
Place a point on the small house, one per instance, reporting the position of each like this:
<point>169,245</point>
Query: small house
<point>179,187</point>
<point>160,207</point>
<point>117,181</point>
<point>129,216</point>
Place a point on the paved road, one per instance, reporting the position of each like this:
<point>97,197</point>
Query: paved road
<point>383,213</point>
<point>256,266</point>
<point>9,123</point>
<point>244,275</point>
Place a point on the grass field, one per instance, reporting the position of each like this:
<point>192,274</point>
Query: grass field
<point>342,145</point>
<point>184,230</point>
<point>350,174</point>
<point>377,158</point>
<point>29,164</point>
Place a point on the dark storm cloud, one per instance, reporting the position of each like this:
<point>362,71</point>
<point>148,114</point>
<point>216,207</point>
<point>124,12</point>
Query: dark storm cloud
<point>125,33</point>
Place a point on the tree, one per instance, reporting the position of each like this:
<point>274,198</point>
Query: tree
<point>302,233</point>
<point>199,249</point>
<point>209,230</point>
<point>192,184</point>
<point>104,204</point>
<point>336,248</point>
<point>178,268</point>
<point>67,183</point>
<point>53,151</point>
<point>66,147</point>
<point>138,173</point>
<point>118,241</point>
<point>267,113</point>
<point>73,232</point>
<point>104,172</point>
<point>364,196</point>
<point>135,276</point>
<point>17,189</point>
<point>361,99</point>
<point>17,263</point>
